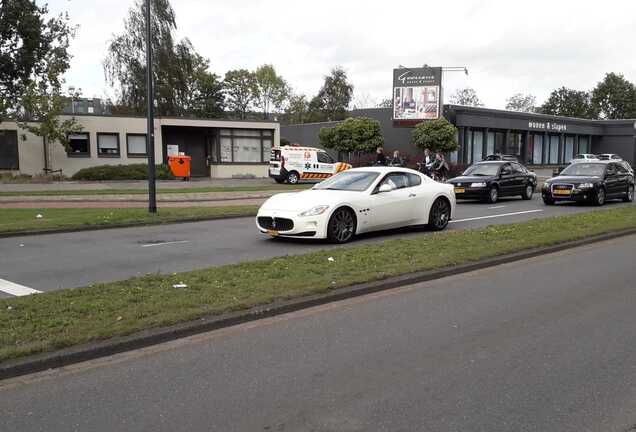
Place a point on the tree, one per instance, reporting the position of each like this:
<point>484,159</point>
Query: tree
<point>386,103</point>
<point>297,109</point>
<point>240,88</point>
<point>521,102</point>
<point>569,103</point>
<point>614,97</point>
<point>316,110</point>
<point>335,95</point>
<point>271,90</point>
<point>33,57</point>
<point>353,135</point>
<point>436,135</point>
<point>205,96</point>
<point>180,77</point>
<point>467,97</point>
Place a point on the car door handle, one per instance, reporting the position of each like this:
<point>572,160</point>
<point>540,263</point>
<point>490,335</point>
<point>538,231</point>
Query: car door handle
<point>411,195</point>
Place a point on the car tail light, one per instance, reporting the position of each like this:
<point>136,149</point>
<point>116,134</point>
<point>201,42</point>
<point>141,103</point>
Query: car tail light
<point>282,161</point>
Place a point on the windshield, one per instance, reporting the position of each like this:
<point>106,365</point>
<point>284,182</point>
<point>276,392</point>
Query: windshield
<point>357,181</point>
<point>483,170</point>
<point>584,169</point>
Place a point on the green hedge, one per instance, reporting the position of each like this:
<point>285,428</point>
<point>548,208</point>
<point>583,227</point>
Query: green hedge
<point>121,172</point>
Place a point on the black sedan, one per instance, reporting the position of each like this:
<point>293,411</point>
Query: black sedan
<point>594,182</point>
<point>490,180</point>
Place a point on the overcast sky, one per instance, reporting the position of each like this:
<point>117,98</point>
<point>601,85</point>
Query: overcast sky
<point>507,46</point>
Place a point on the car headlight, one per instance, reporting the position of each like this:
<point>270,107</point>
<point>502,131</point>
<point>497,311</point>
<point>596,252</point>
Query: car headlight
<point>314,211</point>
<point>475,185</point>
<point>586,186</point>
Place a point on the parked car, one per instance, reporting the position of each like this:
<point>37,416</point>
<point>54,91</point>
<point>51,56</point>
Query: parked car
<point>584,157</point>
<point>609,156</point>
<point>490,180</point>
<point>594,181</point>
<point>357,201</point>
<point>500,157</point>
<point>292,164</point>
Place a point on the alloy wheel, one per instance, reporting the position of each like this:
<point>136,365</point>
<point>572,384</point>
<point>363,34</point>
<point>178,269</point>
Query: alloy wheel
<point>440,215</point>
<point>600,197</point>
<point>341,226</point>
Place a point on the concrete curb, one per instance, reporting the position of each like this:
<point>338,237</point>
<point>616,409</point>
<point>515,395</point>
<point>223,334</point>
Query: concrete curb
<point>114,226</point>
<point>89,351</point>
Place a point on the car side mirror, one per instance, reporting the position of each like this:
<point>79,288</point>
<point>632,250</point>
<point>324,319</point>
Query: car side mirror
<point>385,188</point>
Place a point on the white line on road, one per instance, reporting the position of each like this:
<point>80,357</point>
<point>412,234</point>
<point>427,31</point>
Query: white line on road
<point>496,207</point>
<point>15,289</point>
<point>495,216</point>
<point>165,243</point>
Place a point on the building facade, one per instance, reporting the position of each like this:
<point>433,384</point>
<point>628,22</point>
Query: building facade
<point>536,139</point>
<point>219,148</point>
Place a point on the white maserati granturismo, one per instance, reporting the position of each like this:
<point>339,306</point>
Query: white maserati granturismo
<point>356,201</point>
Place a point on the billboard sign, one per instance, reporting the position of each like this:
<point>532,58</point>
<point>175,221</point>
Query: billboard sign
<point>416,94</point>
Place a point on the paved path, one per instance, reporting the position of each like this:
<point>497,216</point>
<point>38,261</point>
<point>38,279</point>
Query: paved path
<point>66,260</point>
<point>540,345</point>
<point>134,184</point>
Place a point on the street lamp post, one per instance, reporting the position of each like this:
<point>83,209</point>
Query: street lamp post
<point>150,135</point>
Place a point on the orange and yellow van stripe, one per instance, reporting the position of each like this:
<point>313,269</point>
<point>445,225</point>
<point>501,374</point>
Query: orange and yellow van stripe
<point>314,176</point>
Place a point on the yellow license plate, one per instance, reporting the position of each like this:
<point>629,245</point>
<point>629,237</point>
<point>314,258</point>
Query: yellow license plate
<point>459,190</point>
<point>273,233</point>
<point>560,192</point>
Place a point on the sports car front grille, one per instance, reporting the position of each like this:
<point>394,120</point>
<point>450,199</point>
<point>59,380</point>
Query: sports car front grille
<point>278,224</point>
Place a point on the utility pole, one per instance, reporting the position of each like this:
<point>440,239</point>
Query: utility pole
<point>150,134</point>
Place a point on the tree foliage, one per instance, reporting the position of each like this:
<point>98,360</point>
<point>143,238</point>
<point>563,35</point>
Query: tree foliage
<point>521,102</point>
<point>297,109</point>
<point>334,97</point>
<point>271,91</point>
<point>436,135</point>
<point>467,97</point>
<point>240,88</point>
<point>386,103</point>
<point>182,83</point>
<point>614,97</point>
<point>33,58</point>
<point>353,135</point>
<point>568,102</point>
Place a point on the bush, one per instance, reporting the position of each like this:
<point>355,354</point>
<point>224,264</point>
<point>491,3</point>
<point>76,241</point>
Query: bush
<point>121,172</point>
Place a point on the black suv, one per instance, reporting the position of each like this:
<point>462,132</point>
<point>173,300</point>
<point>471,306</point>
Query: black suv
<point>490,180</point>
<point>594,182</point>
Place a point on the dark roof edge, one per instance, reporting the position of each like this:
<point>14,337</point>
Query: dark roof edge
<point>459,108</point>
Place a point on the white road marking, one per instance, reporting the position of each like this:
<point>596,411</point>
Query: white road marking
<point>15,289</point>
<point>496,207</point>
<point>496,216</point>
<point>165,243</point>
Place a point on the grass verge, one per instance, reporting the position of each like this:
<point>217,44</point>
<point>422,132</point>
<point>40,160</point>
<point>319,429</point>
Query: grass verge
<point>86,192</point>
<point>63,318</point>
<point>25,220</point>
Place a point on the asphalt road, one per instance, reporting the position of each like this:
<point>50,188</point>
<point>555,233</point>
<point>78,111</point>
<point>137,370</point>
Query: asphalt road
<point>545,344</point>
<point>68,260</point>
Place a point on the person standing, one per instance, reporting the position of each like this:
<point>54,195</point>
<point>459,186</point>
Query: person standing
<point>380,158</point>
<point>397,160</point>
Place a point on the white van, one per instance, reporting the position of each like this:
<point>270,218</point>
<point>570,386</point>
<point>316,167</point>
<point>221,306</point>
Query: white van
<point>292,164</point>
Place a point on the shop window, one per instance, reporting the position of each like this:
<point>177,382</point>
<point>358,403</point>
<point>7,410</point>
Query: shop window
<point>537,151</point>
<point>584,145</point>
<point>267,149</point>
<point>246,149</point>
<point>490,146</point>
<point>79,145</point>
<point>478,146</point>
<point>108,145</point>
<point>569,148</point>
<point>554,150</point>
<point>136,145</point>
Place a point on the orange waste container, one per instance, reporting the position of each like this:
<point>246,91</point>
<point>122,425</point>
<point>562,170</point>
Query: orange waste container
<point>180,166</point>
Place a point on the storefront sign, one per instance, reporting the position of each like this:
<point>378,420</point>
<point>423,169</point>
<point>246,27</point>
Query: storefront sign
<point>416,93</point>
<point>550,126</point>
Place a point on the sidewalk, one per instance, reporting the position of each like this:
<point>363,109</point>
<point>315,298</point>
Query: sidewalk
<point>133,184</point>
